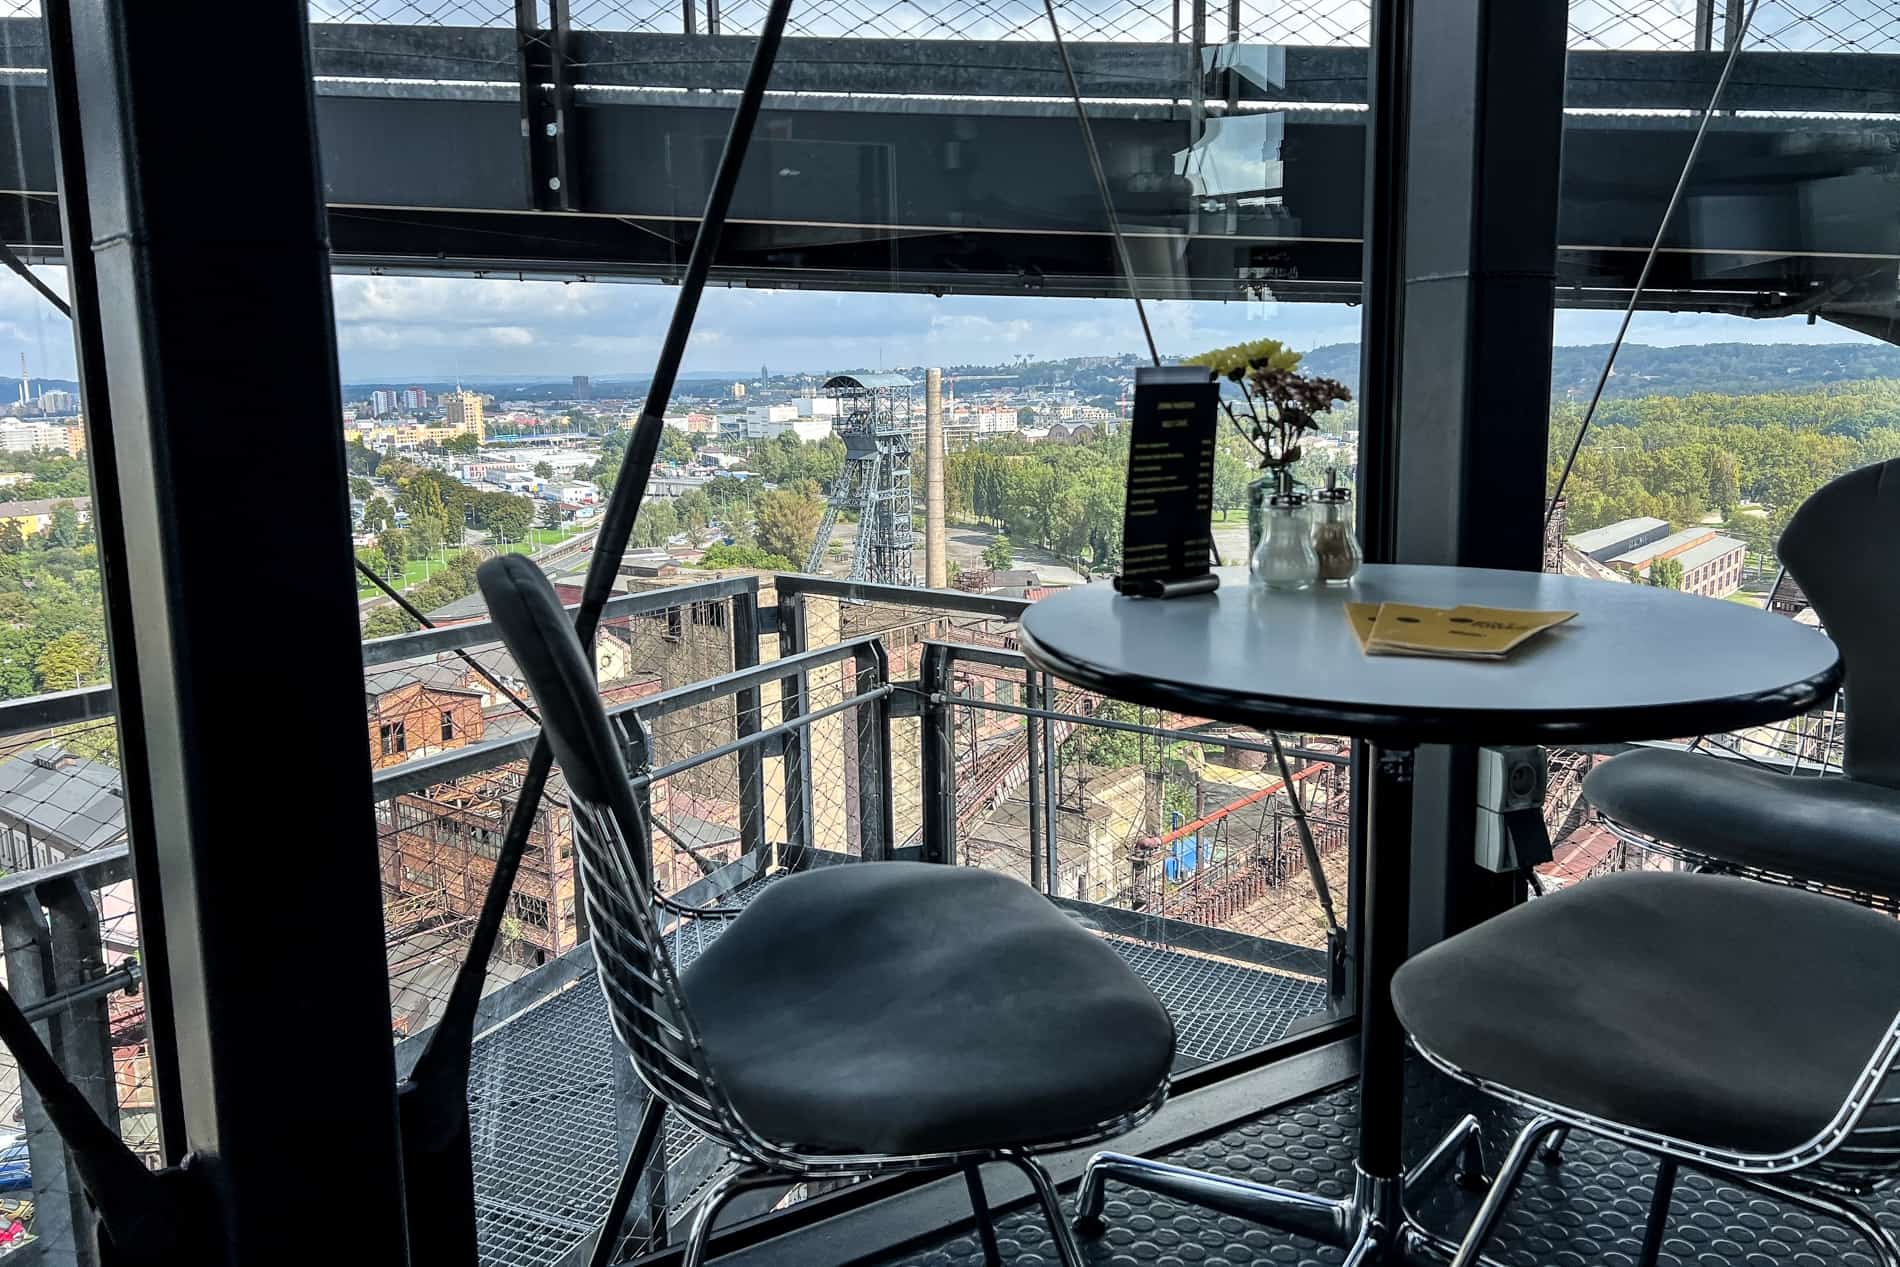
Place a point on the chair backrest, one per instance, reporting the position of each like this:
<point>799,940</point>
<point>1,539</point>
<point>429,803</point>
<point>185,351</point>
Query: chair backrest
<point>611,841</point>
<point>1841,547</point>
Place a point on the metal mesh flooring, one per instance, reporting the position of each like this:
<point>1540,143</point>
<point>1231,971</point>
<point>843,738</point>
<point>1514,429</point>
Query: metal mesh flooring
<point>1586,1212</point>
<point>542,1089</point>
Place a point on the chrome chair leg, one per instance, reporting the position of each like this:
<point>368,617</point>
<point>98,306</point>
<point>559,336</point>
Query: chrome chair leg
<point>1552,1153</point>
<point>1658,1212</point>
<point>1462,1147</point>
<point>1299,1212</point>
<point>985,1225</point>
<point>1884,1245</point>
<point>1492,1211</point>
<point>1067,1250</point>
<point>724,1189</point>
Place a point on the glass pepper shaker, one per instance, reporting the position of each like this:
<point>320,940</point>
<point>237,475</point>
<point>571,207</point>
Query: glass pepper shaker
<point>1334,541</point>
<point>1284,559</point>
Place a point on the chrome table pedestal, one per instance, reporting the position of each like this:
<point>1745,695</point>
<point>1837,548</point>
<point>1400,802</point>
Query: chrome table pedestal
<point>1371,1224</point>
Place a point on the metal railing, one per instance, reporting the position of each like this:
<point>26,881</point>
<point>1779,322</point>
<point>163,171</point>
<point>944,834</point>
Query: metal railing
<point>885,723</point>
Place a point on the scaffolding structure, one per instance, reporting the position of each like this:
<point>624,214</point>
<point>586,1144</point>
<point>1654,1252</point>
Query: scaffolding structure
<point>874,421</point>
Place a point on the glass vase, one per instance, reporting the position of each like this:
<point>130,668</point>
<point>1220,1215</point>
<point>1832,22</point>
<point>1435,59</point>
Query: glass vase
<point>1257,494</point>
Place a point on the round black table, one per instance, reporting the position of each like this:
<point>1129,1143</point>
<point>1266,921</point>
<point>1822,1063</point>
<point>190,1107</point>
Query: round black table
<point>1638,662</point>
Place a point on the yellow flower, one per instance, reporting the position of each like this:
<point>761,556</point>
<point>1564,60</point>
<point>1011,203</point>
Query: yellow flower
<point>1260,354</point>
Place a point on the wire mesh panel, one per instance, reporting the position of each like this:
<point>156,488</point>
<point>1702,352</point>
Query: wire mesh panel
<point>1175,837</point>
<point>415,12</point>
<point>1826,26</point>
<point>72,962</point>
<point>1845,26</point>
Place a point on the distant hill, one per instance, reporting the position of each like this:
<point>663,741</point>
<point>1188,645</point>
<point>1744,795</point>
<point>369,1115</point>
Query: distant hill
<point>10,387</point>
<point>1726,369</point>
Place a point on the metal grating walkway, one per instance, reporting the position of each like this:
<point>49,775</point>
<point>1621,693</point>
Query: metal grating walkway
<point>542,1089</point>
<point>1586,1212</point>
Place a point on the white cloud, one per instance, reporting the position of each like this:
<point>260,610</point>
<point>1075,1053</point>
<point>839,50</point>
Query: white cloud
<point>443,327</point>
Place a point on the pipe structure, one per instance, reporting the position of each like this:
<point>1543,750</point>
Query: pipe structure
<point>936,567</point>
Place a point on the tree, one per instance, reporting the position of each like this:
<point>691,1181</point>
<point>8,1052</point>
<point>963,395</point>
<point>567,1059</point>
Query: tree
<point>551,516</point>
<point>787,523</point>
<point>998,555</point>
<point>362,459</point>
<point>502,514</point>
<point>1666,573</point>
<point>394,543</point>
<point>94,741</point>
<point>65,529</point>
<point>12,540</point>
<point>675,447</point>
<point>17,652</point>
<point>1232,474</point>
<point>1025,417</point>
<point>694,512</point>
<point>361,489</point>
<point>656,524</point>
<point>463,445</point>
<point>70,661</point>
<point>375,560</point>
<point>386,622</point>
<point>1725,486</point>
<point>745,556</point>
<point>543,470</point>
<point>376,515</point>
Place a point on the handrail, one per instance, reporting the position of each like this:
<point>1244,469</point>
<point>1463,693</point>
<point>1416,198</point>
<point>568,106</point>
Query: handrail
<point>413,776</point>
<point>96,868</point>
<point>98,703</point>
<point>788,583</point>
<point>421,642</point>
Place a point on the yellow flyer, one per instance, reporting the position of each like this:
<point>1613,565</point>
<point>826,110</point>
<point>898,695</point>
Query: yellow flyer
<point>1465,632</point>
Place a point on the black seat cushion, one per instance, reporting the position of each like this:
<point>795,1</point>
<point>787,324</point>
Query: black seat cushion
<point>1837,831</point>
<point>1712,1009</point>
<point>902,1008</point>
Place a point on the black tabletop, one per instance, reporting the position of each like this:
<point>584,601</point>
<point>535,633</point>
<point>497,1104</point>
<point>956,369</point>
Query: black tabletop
<point>1638,662</point>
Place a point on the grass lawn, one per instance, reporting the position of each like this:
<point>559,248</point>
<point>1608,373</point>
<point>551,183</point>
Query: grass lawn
<point>419,570</point>
<point>413,573</point>
<point>540,538</point>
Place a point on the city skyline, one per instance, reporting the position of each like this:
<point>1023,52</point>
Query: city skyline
<point>441,328</point>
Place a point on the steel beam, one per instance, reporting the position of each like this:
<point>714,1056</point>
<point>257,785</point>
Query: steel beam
<point>547,104</point>
<point>203,304</point>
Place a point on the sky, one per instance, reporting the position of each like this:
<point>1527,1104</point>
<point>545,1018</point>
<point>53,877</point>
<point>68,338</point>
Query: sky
<point>441,328</point>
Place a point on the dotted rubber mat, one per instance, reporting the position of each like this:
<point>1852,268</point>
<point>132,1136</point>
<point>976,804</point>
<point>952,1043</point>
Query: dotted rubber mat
<point>1587,1211</point>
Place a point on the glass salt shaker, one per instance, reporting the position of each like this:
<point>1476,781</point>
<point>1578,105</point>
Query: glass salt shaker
<point>1284,559</point>
<point>1334,541</point>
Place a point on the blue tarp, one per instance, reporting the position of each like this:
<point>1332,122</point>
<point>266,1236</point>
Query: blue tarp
<point>16,1172</point>
<point>1183,856</point>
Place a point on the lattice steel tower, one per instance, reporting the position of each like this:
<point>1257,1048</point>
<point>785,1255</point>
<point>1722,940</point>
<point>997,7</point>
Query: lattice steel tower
<point>873,420</point>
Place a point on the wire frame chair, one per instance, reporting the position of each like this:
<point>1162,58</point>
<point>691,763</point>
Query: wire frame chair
<point>1857,1152</point>
<point>633,930</point>
<point>1837,549</point>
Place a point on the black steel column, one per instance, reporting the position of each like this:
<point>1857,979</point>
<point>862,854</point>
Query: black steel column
<point>747,721</point>
<point>108,526</point>
<point>213,298</point>
<point>937,750</point>
<point>1460,292</point>
<point>872,759</point>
